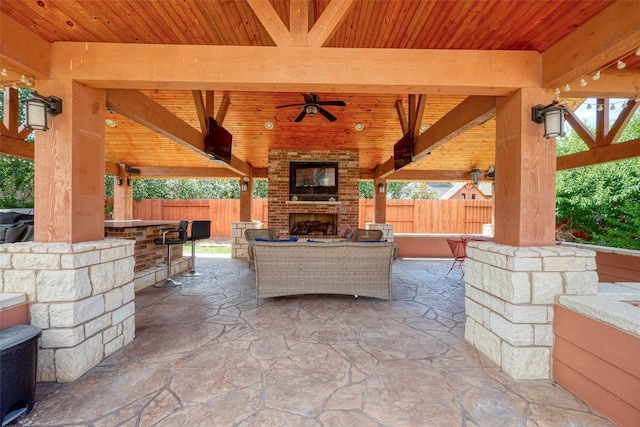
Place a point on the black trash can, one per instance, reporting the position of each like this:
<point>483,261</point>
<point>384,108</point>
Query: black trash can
<point>18,359</point>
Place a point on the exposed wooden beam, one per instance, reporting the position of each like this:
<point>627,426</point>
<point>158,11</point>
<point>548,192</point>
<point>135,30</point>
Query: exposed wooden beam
<point>580,129</point>
<point>385,169</point>
<point>404,123</point>
<point>222,110</point>
<point>608,153</point>
<point>429,175</point>
<point>208,105</point>
<point>22,50</point>
<point>185,172</point>
<point>16,147</point>
<point>271,22</point>
<point>469,113</point>
<point>602,121</point>
<point>294,69</point>
<point>606,37</point>
<point>621,122</point>
<point>422,103</point>
<point>111,168</point>
<point>328,22</point>
<point>199,103</point>
<point>144,110</point>
<point>299,22</point>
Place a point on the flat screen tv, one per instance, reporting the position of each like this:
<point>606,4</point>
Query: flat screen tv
<point>403,151</point>
<point>218,141</point>
<point>313,181</point>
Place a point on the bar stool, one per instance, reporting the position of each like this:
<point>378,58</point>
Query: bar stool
<point>199,230</point>
<point>181,238</point>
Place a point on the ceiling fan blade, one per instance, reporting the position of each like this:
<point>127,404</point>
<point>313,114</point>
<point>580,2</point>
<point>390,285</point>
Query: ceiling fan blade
<point>327,114</point>
<point>290,105</point>
<point>337,103</point>
<point>301,116</point>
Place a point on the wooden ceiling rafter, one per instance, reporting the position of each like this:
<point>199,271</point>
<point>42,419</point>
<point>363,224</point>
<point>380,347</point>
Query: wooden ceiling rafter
<point>137,106</point>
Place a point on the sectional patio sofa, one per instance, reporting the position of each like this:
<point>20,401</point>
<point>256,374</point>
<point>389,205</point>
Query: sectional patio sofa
<point>347,268</point>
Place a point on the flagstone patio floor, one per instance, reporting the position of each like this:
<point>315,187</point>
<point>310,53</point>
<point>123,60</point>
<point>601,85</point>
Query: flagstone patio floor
<point>208,354</point>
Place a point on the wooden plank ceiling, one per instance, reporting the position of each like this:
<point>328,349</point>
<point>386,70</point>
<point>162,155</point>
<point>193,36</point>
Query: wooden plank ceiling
<point>475,25</point>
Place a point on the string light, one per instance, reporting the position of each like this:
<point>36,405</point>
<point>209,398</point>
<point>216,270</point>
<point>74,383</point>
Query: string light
<point>583,82</point>
<point>621,65</point>
<point>14,79</point>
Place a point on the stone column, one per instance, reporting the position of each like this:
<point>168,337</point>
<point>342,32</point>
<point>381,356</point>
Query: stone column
<point>239,244</point>
<point>509,298</point>
<point>387,229</point>
<point>81,295</point>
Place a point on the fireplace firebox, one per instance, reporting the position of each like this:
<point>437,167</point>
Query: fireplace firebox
<point>313,224</point>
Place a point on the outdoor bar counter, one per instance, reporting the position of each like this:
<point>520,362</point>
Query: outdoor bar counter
<point>147,254</point>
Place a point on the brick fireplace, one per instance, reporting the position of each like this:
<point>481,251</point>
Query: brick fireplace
<point>343,212</point>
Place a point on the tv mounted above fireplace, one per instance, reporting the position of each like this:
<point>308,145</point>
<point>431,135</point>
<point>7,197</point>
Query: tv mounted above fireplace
<point>313,181</point>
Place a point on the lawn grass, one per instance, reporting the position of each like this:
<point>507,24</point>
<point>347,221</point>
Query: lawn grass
<point>207,249</point>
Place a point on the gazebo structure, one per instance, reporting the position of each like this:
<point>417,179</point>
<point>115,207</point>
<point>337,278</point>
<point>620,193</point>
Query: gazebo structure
<point>138,81</point>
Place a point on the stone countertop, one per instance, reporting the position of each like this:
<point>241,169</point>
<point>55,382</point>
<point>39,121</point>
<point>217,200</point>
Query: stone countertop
<point>136,223</point>
<point>611,305</point>
<point>11,299</point>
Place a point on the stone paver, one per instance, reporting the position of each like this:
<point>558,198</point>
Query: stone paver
<point>208,354</point>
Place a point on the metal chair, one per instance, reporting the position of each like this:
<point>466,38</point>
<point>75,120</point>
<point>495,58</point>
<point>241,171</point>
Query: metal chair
<point>180,239</point>
<point>199,230</point>
<point>459,251</point>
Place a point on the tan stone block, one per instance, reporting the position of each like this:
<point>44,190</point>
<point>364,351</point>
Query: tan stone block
<point>5,260</point>
<point>102,277</point>
<point>112,254</point>
<point>128,292</point>
<point>113,299</point>
<point>96,325</point>
<point>545,287</point>
<point>64,315</point>
<point>565,263</point>
<point>517,334</point>
<point>524,264</point>
<point>543,335</point>
<point>79,260</point>
<point>62,337</point>
<point>72,363</point>
<point>124,270</point>
<point>473,272</point>
<point>46,368</point>
<point>488,343</point>
<point>21,281</point>
<point>113,345</point>
<point>526,363</point>
<point>473,309</point>
<point>581,283</point>
<point>525,313</point>
<point>513,287</point>
<point>469,328</point>
<point>62,285</point>
<point>123,312</point>
<point>129,329</point>
<point>32,261</point>
<point>39,314</point>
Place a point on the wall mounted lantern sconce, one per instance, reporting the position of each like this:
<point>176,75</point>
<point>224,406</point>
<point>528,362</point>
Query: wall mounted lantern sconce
<point>118,180</point>
<point>381,188</point>
<point>130,182</point>
<point>37,109</point>
<point>475,176</point>
<point>245,183</point>
<point>132,171</point>
<point>552,116</point>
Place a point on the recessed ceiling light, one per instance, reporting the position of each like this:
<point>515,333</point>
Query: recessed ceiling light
<point>359,127</point>
<point>110,123</point>
<point>268,125</point>
<point>423,128</point>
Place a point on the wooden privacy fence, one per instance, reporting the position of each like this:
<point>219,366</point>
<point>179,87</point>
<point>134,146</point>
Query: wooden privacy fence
<point>407,216</point>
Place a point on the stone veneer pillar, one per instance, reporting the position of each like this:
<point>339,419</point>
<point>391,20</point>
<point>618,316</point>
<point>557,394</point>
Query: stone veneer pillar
<point>239,244</point>
<point>509,299</point>
<point>387,229</point>
<point>81,295</point>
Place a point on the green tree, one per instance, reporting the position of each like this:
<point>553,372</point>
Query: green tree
<point>600,204</point>
<point>16,174</point>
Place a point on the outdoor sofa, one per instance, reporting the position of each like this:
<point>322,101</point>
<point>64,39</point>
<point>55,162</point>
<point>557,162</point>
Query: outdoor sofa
<point>311,267</point>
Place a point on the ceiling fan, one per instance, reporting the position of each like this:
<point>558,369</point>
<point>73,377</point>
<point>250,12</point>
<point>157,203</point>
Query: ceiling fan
<point>312,105</point>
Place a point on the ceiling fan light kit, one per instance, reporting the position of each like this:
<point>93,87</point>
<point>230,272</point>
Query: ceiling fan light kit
<point>312,106</point>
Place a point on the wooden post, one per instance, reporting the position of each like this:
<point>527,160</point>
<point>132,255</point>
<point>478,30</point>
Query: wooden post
<point>246,199</point>
<point>69,166</point>
<point>379,201</point>
<point>122,195</point>
<point>525,183</point>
